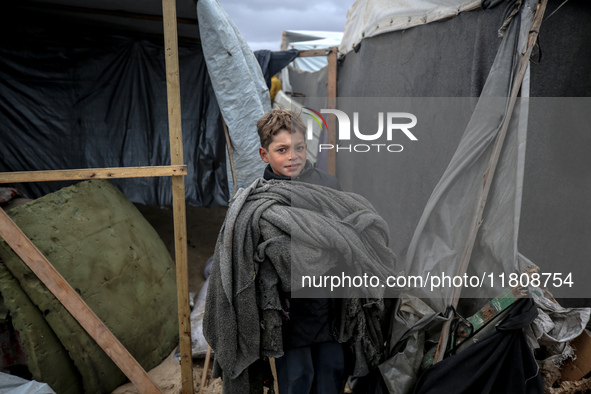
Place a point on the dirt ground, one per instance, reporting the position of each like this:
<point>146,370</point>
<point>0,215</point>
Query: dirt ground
<point>203,226</point>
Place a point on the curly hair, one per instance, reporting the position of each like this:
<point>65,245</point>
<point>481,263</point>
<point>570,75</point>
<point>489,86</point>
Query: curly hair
<point>275,120</point>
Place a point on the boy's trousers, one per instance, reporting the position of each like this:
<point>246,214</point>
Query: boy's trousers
<point>315,369</point>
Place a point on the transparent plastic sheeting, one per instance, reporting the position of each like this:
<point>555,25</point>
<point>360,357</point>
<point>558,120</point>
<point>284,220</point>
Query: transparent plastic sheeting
<point>10,384</point>
<point>239,86</point>
<point>443,231</point>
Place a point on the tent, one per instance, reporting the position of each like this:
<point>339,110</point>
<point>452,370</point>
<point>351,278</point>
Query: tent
<point>445,63</point>
<point>438,60</point>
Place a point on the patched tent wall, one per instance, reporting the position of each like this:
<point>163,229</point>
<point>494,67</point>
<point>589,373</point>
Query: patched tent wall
<point>452,58</point>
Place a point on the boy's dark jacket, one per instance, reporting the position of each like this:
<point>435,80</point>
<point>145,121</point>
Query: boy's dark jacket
<point>311,320</point>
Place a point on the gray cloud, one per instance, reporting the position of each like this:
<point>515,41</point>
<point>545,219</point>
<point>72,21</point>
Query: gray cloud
<point>261,22</point>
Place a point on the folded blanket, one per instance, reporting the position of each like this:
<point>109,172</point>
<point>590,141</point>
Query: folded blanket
<point>321,229</point>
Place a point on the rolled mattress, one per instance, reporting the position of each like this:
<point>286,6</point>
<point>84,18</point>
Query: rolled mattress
<point>111,256</point>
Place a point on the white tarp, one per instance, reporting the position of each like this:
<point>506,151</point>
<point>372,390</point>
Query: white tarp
<point>239,86</point>
<point>367,18</point>
<point>10,384</point>
<point>313,63</point>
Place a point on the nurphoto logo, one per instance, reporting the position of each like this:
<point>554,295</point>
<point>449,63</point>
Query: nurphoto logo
<point>397,123</point>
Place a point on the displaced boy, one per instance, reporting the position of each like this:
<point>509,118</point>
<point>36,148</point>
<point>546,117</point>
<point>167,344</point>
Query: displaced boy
<point>313,360</point>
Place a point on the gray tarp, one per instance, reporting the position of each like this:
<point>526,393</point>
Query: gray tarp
<point>239,86</point>
<point>79,96</point>
<point>443,230</point>
<point>452,58</point>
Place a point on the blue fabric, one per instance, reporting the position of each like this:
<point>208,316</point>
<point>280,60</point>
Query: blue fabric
<point>312,369</point>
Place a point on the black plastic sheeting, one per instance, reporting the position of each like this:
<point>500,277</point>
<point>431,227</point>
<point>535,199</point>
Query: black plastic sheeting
<point>500,363</point>
<point>272,62</point>
<point>87,98</point>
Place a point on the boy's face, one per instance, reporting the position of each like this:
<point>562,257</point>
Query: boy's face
<point>286,153</point>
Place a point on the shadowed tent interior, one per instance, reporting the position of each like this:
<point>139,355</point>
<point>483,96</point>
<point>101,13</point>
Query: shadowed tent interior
<point>84,86</point>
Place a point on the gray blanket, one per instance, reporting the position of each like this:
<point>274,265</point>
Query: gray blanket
<point>267,225</point>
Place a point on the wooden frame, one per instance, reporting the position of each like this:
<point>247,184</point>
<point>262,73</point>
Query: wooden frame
<point>331,52</point>
<point>177,170</point>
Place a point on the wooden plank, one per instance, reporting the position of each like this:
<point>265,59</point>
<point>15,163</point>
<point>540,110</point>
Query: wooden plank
<point>205,369</point>
<point>332,104</point>
<point>72,301</point>
<point>178,191</point>
<point>284,41</point>
<point>101,11</point>
<point>314,52</point>
<point>91,173</point>
<point>490,171</point>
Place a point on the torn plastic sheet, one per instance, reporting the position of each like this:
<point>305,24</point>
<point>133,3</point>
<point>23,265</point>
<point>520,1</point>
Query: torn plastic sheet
<point>239,86</point>
<point>442,232</point>
<point>10,384</point>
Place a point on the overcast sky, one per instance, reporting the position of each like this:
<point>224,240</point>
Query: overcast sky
<point>262,21</point>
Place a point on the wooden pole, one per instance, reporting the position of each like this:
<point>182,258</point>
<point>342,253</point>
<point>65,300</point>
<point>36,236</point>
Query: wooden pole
<point>72,301</point>
<point>178,191</point>
<point>205,368</point>
<point>332,104</point>
<point>91,173</point>
<point>490,172</point>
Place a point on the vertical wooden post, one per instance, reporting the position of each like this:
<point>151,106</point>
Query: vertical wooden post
<point>332,104</point>
<point>284,41</point>
<point>178,191</point>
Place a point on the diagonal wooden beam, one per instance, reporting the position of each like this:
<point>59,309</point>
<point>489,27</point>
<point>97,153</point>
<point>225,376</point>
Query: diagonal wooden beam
<point>72,301</point>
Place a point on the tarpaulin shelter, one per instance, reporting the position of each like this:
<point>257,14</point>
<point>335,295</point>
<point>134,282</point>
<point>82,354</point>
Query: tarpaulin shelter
<point>394,49</point>
<point>451,59</point>
<point>84,87</point>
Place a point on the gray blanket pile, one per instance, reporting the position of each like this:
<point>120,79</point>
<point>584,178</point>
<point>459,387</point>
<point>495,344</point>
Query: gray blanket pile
<point>267,225</point>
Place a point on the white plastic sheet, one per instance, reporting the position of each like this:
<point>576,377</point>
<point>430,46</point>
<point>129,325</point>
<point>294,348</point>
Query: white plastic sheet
<point>367,18</point>
<point>239,87</point>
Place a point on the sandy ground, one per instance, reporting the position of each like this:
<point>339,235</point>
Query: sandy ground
<point>167,376</point>
<point>203,226</point>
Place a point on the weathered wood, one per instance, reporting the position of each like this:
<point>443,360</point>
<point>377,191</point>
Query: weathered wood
<point>284,40</point>
<point>205,369</point>
<point>72,301</point>
<point>274,373</point>
<point>91,173</point>
<point>178,191</point>
<point>490,171</point>
<point>314,52</point>
<point>332,104</point>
